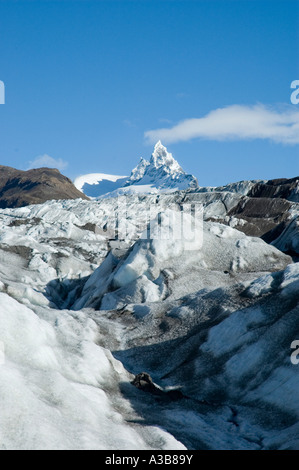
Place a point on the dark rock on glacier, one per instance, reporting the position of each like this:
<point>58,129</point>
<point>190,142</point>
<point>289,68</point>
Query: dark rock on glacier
<point>261,214</point>
<point>144,382</point>
<point>282,188</point>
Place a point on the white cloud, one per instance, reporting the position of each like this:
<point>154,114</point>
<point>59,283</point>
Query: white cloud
<point>235,122</point>
<point>47,161</point>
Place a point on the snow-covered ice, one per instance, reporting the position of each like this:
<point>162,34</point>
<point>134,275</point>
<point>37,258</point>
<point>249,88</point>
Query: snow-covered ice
<point>82,310</point>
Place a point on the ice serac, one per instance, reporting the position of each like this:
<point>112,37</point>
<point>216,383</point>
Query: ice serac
<point>144,276</point>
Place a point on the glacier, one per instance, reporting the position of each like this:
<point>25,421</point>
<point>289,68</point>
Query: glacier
<point>89,298</point>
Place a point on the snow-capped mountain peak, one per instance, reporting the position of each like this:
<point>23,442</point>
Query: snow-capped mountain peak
<point>161,157</point>
<point>161,160</point>
<point>138,172</point>
<point>162,173</point>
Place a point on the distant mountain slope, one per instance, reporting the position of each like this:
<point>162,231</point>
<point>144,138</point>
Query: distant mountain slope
<point>20,188</point>
<point>162,173</point>
<point>98,184</point>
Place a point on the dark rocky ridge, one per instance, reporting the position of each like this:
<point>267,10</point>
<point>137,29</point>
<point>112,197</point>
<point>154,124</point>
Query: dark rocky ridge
<point>20,188</point>
<point>262,215</point>
<point>264,210</point>
<point>278,188</point>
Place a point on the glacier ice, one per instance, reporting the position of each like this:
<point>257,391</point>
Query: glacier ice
<point>81,313</point>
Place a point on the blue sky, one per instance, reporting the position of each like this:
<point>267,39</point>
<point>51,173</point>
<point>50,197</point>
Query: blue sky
<point>93,84</point>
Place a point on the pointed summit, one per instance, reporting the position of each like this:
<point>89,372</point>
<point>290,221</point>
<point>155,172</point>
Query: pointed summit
<point>162,173</point>
<point>138,172</point>
<point>161,157</point>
